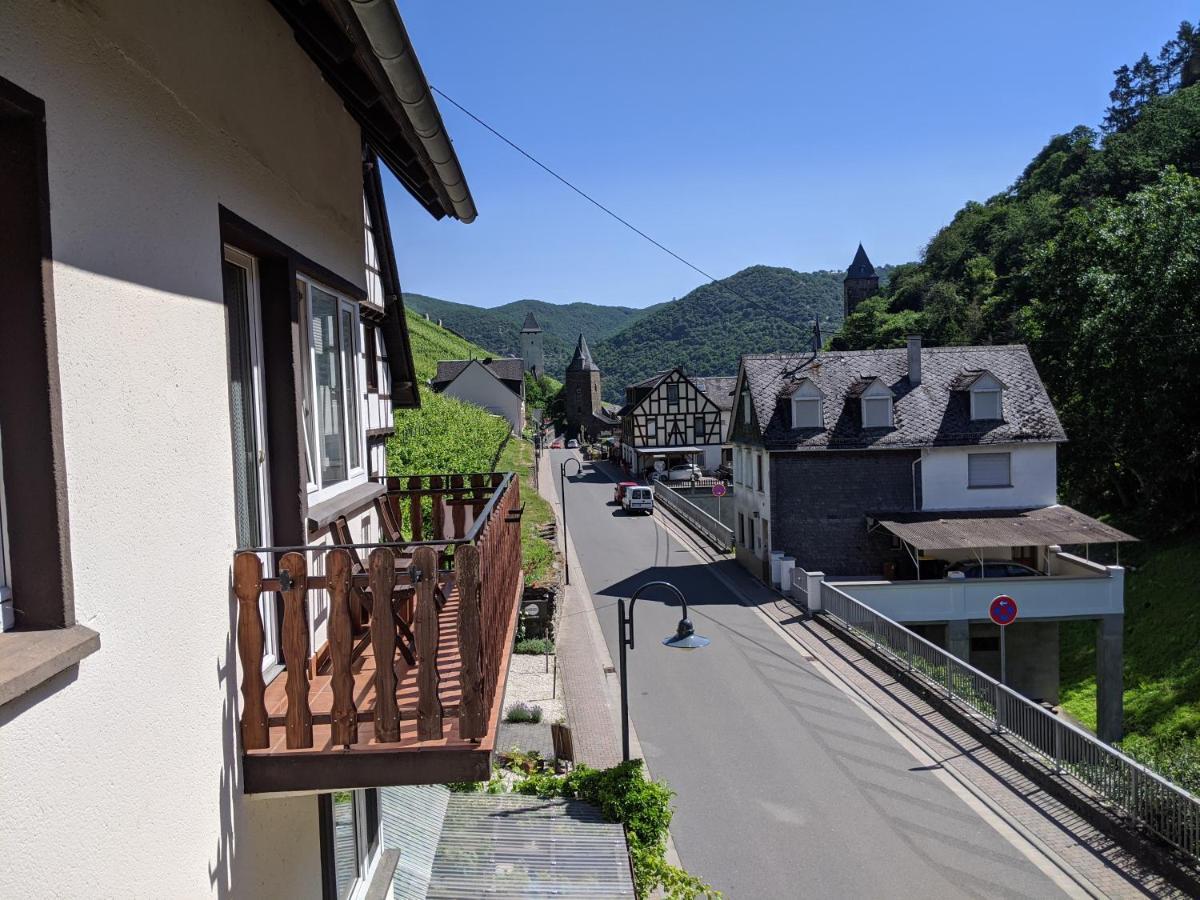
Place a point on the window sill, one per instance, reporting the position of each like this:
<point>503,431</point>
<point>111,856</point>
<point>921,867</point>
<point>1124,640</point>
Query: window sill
<point>29,658</point>
<point>381,879</point>
<point>988,487</point>
<point>321,515</point>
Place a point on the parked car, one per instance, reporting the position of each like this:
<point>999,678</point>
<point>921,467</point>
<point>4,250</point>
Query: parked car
<point>683,472</point>
<point>572,444</point>
<point>556,444</point>
<point>991,568</point>
<point>638,498</point>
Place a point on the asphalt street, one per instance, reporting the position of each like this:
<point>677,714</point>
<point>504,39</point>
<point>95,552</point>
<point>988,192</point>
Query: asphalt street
<point>785,788</point>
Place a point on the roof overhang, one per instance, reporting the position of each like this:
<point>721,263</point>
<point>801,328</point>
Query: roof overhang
<point>975,528</point>
<point>656,451</point>
<point>365,55</point>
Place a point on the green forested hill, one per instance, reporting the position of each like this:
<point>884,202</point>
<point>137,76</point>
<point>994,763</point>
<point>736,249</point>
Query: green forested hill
<point>708,329</point>
<point>499,327</point>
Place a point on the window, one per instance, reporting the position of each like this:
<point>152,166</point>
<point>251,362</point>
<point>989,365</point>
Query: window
<point>332,399</point>
<point>877,412</point>
<point>989,470</point>
<point>673,396</point>
<point>742,529</point>
<point>651,429</point>
<point>371,354</point>
<point>698,429</point>
<point>758,468</point>
<point>349,841</point>
<point>806,412</point>
<point>986,403</point>
<point>6,610</point>
<point>746,407</point>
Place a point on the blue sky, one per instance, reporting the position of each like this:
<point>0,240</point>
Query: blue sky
<point>739,133</point>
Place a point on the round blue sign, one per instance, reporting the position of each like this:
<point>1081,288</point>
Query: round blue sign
<point>718,490</point>
<point>1003,610</point>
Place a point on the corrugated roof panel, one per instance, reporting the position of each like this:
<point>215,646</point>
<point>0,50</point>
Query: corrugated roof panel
<point>964,529</point>
<point>412,823</point>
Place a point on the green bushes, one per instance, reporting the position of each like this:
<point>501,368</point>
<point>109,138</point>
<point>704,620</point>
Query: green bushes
<point>524,712</point>
<point>534,646</point>
<point>444,435</point>
<point>624,794</point>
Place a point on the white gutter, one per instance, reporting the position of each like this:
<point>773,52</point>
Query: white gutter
<point>385,30</point>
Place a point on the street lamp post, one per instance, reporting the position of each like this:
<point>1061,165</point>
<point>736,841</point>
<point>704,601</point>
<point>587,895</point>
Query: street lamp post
<point>684,638</point>
<point>562,484</point>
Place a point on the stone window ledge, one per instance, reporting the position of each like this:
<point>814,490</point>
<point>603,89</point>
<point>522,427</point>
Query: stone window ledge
<point>28,658</point>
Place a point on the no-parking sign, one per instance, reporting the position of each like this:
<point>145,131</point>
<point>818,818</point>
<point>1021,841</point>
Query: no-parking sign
<point>1003,610</point>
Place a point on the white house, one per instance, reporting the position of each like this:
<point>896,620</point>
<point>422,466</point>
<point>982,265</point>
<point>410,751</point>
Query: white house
<point>888,470</point>
<point>498,385</point>
<point>201,344</point>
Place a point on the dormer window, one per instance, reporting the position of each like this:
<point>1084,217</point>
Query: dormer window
<point>987,398</point>
<point>806,406</point>
<point>877,406</point>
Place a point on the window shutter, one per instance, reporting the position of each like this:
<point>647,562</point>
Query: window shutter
<point>989,470</point>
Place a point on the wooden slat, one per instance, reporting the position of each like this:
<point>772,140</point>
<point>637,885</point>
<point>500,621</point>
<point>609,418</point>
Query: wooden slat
<point>382,566</point>
<point>247,586</point>
<point>429,705</point>
<point>416,512</point>
<point>341,648</point>
<point>387,523</point>
<point>295,651</point>
<point>457,511</point>
<point>473,710</point>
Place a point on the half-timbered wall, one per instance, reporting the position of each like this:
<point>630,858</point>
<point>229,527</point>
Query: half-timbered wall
<point>675,413</point>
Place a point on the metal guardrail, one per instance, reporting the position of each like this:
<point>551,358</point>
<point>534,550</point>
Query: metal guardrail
<point>717,534</point>
<point>1147,798</point>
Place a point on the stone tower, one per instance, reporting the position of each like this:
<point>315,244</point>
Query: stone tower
<point>860,282</point>
<point>531,347</point>
<point>581,390</point>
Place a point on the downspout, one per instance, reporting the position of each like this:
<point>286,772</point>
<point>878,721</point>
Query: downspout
<point>385,30</point>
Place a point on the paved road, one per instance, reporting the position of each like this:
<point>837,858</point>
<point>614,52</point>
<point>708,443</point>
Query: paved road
<point>785,787</point>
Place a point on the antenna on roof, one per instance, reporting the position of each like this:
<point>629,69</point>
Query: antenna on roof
<point>816,348</point>
<point>816,344</point>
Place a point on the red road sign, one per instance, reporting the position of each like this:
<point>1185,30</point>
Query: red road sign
<point>718,490</point>
<point>1003,610</point>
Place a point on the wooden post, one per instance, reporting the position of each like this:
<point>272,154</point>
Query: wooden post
<point>382,578</point>
<point>472,710</point>
<point>439,507</point>
<point>415,511</point>
<point>247,585</point>
<point>343,716</point>
<point>429,704</point>
<point>458,508</point>
<point>295,651</point>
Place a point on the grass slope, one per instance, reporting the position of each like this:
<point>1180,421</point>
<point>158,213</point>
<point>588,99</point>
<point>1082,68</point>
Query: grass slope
<point>537,555</point>
<point>431,343</point>
<point>1162,655</point>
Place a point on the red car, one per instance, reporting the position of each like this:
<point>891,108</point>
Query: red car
<point>556,444</point>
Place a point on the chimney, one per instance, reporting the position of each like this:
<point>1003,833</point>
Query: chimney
<point>914,359</point>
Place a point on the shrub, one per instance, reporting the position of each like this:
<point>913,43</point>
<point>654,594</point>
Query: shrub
<point>535,646</point>
<point>524,712</point>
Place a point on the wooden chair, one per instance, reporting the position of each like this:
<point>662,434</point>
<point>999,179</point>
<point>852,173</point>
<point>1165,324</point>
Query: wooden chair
<point>402,597</point>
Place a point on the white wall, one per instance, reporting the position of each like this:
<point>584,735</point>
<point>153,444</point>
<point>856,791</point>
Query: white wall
<point>123,779</point>
<point>748,500</point>
<point>1034,478</point>
<point>475,384</point>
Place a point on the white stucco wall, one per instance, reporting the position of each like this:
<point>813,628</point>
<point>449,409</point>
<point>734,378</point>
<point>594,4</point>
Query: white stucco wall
<point>123,779</point>
<point>748,500</point>
<point>1034,478</point>
<point>476,385</point>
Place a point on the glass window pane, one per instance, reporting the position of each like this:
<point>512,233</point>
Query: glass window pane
<point>875,412</point>
<point>247,505</point>
<point>350,361</point>
<point>345,843</point>
<point>987,405</point>
<point>988,470</point>
<point>329,393</point>
<point>808,413</point>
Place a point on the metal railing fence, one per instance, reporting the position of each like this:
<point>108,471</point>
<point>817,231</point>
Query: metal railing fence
<point>1147,798</point>
<point>719,535</point>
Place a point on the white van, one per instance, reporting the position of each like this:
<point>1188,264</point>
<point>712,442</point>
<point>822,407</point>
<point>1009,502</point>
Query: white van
<point>639,498</point>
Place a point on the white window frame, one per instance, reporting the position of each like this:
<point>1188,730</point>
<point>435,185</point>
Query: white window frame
<point>975,396</point>
<point>699,432</point>
<point>651,428</point>
<point>353,392</point>
<point>7,617</point>
<point>746,407</point>
<point>673,395</point>
<point>990,485</point>
<point>367,856</point>
<point>808,405</point>
<point>877,398</point>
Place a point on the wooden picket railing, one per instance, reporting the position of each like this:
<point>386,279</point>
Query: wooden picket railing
<point>408,610</point>
<point>435,507</point>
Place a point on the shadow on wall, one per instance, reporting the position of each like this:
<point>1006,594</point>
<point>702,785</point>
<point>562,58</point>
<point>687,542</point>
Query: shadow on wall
<point>223,865</point>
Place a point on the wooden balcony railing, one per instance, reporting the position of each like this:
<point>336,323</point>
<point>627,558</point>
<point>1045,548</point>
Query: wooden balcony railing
<point>419,637</point>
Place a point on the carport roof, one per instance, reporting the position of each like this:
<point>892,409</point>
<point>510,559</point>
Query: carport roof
<point>664,450</point>
<point>971,528</point>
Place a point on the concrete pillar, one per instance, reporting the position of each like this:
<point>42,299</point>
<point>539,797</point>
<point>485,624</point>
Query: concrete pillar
<point>958,639</point>
<point>1110,689</point>
<point>813,587</point>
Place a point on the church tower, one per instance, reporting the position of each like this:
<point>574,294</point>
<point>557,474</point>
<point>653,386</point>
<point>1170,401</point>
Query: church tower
<point>860,282</point>
<point>582,390</point>
<point>531,347</point>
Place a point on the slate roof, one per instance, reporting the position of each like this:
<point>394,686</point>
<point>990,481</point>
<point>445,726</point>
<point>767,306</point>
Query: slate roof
<point>718,389</point>
<point>582,360</point>
<point>931,414</point>
<point>861,266</point>
<point>508,369</point>
<point>531,324</point>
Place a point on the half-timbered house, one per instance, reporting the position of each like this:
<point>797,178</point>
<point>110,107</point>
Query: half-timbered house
<point>668,420</point>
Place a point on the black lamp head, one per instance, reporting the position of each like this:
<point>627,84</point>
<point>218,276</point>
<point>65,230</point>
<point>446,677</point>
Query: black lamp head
<point>685,637</point>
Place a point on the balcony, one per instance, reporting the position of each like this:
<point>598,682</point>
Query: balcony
<point>408,687</point>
